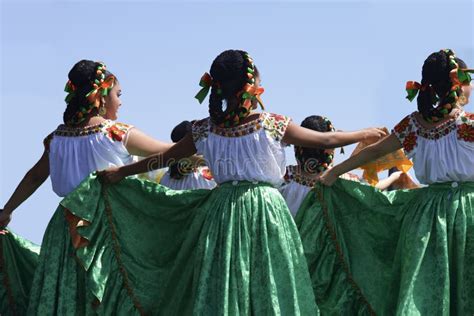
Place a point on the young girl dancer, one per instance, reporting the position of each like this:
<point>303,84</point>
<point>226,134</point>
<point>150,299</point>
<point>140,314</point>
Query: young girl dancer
<point>300,179</point>
<point>188,173</point>
<point>311,162</point>
<point>411,251</point>
<point>90,139</point>
<point>234,249</point>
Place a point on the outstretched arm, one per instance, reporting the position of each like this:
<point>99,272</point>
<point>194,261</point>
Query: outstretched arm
<point>368,154</point>
<point>140,144</point>
<point>30,183</point>
<point>300,136</point>
<point>182,149</point>
<point>384,184</point>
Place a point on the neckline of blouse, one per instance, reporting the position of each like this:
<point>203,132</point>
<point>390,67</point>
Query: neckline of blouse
<point>443,125</point>
<point>84,128</point>
<point>257,120</point>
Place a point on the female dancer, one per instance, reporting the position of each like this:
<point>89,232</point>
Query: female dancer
<point>410,251</point>
<point>234,249</point>
<point>311,162</point>
<point>89,140</point>
<point>300,179</point>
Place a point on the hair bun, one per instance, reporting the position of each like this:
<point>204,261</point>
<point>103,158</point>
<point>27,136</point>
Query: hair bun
<point>83,73</point>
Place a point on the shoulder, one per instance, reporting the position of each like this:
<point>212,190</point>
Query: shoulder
<point>200,129</point>
<point>276,124</point>
<point>465,128</point>
<point>405,124</point>
<point>405,131</point>
<point>116,131</point>
<point>47,141</point>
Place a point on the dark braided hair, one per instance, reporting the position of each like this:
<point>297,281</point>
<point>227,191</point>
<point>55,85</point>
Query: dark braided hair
<point>435,76</point>
<point>82,76</point>
<point>314,160</point>
<point>229,72</point>
<point>178,133</point>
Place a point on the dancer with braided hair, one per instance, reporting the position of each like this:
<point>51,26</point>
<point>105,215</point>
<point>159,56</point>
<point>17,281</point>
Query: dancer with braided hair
<point>90,139</point>
<point>233,250</point>
<point>406,252</point>
<point>312,162</point>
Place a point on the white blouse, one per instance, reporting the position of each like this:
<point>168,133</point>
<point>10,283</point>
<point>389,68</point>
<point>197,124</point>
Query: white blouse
<point>201,178</point>
<point>76,152</point>
<point>296,188</point>
<point>249,152</point>
<point>441,154</point>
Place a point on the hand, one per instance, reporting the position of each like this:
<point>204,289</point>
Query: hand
<point>5,218</point>
<point>404,181</point>
<point>111,175</point>
<point>329,177</point>
<point>374,134</point>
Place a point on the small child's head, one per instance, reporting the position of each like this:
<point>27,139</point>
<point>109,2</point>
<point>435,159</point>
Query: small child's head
<point>445,84</point>
<point>234,83</point>
<point>315,160</point>
<point>92,90</point>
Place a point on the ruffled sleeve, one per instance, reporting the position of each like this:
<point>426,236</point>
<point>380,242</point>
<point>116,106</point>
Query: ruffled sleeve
<point>275,125</point>
<point>200,131</point>
<point>405,131</point>
<point>118,132</point>
<point>465,129</point>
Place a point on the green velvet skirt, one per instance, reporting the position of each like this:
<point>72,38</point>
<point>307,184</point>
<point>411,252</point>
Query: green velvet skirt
<point>407,252</point>
<point>140,248</point>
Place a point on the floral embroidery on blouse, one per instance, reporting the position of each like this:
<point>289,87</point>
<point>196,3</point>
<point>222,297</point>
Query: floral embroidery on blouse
<point>466,129</point>
<point>435,132</point>
<point>409,142</point>
<point>404,129</point>
<point>276,125</point>
<point>117,131</point>
<point>206,174</point>
<point>67,131</point>
<point>200,129</point>
<point>292,174</point>
<point>403,125</point>
<point>240,130</point>
<point>409,129</point>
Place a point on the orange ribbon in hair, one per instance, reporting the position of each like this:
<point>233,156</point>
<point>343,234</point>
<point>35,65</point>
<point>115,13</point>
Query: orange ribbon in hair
<point>102,87</point>
<point>250,91</point>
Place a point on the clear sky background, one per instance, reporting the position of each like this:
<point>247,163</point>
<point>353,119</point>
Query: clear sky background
<point>347,60</point>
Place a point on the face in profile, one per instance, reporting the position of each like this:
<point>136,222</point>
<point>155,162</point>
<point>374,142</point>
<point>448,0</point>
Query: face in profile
<point>466,91</point>
<point>112,102</point>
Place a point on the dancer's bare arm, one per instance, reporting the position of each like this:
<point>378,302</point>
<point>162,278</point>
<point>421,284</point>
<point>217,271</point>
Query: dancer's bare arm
<point>30,183</point>
<point>297,135</point>
<point>182,149</point>
<point>366,155</point>
<point>140,144</point>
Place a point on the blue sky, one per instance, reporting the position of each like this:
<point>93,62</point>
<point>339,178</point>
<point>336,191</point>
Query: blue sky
<point>347,60</point>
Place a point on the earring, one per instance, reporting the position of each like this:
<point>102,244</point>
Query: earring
<point>102,111</point>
